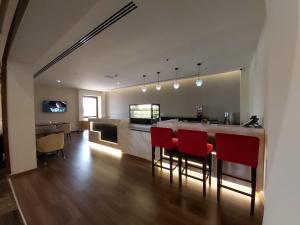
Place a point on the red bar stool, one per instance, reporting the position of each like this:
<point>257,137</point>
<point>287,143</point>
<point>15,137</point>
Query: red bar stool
<point>237,149</point>
<point>163,139</point>
<point>193,145</point>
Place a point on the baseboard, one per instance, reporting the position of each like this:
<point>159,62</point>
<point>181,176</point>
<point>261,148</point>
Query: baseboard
<point>17,202</point>
<point>22,173</point>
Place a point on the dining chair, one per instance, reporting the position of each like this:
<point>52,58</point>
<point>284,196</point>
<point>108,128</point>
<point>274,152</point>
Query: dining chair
<point>52,143</point>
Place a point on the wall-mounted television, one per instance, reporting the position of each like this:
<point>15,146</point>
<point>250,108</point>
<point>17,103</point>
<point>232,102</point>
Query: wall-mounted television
<point>53,106</point>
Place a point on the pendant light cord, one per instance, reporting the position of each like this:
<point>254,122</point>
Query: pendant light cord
<point>144,76</point>
<point>199,64</point>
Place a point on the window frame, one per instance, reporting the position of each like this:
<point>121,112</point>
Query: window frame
<point>97,113</point>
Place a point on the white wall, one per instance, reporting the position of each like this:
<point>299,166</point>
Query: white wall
<point>219,93</point>
<point>70,95</point>
<point>277,64</point>
<point>244,95</point>
<point>21,128</point>
<point>257,71</point>
<point>253,84</point>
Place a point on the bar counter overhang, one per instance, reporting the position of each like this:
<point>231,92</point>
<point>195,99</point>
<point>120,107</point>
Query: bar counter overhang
<point>138,142</point>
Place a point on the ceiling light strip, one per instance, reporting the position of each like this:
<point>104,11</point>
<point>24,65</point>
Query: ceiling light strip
<point>83,40</point>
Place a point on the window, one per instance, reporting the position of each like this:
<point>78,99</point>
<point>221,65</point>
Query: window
<point>90,106</point>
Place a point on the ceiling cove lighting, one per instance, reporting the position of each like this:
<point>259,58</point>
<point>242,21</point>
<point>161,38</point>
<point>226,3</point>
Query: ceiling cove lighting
<point>144,88</point>
<point>199,82</point>
<point>176,84</point>
<point>158,86</point>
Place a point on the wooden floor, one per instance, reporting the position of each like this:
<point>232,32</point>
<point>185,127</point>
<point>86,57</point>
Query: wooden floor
<point>93,187</point>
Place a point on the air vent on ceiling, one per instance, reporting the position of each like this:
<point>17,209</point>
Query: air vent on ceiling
<point>107,23</point>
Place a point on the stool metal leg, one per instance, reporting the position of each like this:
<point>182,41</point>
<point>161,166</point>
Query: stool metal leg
<point>161,158</point>
<point>186,167</point>
<point>153,158</point>
<point>253,189</point>
<point>221,172</point>
<point>219,168</point>
<point>210,162</point>
<point>180,172</point>
<point>204,176</point>
<point>171,168</point>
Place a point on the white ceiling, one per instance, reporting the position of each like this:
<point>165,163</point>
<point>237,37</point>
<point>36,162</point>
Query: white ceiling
<point>44,22</point>
<point>221,34</point>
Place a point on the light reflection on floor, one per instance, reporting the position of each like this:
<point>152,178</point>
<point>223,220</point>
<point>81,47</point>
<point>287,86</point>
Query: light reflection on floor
<point>105,149</point>
<point>196,184</point>
<point>98,147</point>
<point>191,182</point>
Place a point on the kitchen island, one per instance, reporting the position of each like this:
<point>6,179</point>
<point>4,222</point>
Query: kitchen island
<point>130,138</point>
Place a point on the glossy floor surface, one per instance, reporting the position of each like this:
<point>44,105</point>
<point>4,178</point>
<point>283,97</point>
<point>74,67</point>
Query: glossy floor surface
<point>94,187</point>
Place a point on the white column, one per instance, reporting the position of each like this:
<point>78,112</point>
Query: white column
<point>21,122</point>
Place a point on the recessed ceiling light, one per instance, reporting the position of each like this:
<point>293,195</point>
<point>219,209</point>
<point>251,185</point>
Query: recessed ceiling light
<point>58,81</point>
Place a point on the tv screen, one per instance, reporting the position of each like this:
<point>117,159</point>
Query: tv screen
<point>54,106</point>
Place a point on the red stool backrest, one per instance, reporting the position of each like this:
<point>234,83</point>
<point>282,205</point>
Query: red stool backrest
<point>237,148</point>
<point>192,142</point>
<point>162,137</point>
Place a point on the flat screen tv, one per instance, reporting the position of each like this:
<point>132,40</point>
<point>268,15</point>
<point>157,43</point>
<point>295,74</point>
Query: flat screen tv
<point>54,106</point>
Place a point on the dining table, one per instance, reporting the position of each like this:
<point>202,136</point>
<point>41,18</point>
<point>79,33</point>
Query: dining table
<point>43,129</point>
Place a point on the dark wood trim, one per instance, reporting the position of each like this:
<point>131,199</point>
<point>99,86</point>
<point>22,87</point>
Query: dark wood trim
<point>3,8</point>
<point>22,173</point>
<point>19,13</point>
<point>4,116</point>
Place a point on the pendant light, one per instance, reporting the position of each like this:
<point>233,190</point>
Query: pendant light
<point>176,84</point>
<point>144,88</point>
<point>199,82</point>
<point>158,86</point>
